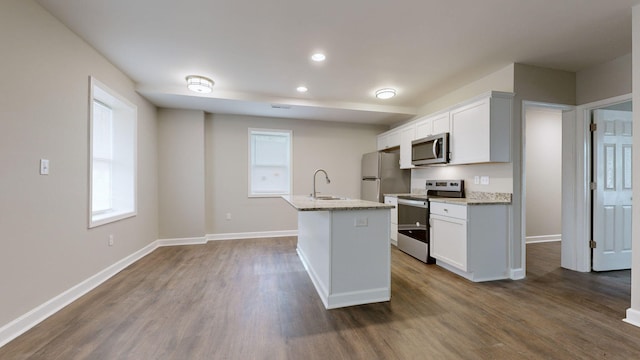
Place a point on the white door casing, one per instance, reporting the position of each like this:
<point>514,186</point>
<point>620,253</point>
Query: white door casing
<point>613,194</point>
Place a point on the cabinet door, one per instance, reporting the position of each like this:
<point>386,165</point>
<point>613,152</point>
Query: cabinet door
<point>470,133</point>
<point>407,136</point>
<point>441,123</point>
<point>449,240</point>
<point>394,139</point>
<point>424,128</point>
<point>382,141</point>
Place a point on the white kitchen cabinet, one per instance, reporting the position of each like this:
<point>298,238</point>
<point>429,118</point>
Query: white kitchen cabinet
<point>431,125</point>
<point>470,240</point>
<point>441,123</point>
<point>424,127</point>
<point>407,135</point>
<point>389,139</point>
<point>449,227</point>
<point>392,200</point>
<point>481,130</point>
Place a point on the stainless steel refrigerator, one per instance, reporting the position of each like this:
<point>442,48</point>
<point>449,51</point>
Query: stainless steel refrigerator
<point>381,174</point>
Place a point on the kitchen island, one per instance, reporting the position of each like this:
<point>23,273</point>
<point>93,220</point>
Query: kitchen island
<point>344,246</point>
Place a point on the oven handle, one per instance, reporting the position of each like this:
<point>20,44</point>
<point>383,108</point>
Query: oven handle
<point>416,203</point>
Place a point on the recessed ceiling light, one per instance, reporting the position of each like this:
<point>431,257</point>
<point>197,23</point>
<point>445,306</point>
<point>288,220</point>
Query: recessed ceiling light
<point>386,93</point>
<point>318,57</point>
<point>302,89</point>
<point>199,84</point>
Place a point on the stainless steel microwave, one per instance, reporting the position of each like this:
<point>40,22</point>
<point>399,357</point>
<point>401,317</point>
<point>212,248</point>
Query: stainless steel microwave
<point>430,150</point>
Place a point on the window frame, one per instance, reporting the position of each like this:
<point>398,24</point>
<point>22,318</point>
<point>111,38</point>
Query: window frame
<point>250,191</point>
<point>124,158</point>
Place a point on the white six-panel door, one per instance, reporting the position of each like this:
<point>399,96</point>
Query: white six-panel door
<point>612,197</point>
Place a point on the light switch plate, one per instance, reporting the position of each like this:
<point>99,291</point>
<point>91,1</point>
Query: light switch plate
<point>476,179</point>
<point>44,167</point>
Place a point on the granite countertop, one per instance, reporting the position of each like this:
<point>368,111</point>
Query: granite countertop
<point>307,203</point>
<point>473,198</point>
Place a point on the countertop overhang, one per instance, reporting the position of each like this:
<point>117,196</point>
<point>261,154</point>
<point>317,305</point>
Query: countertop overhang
<point>308,203</point>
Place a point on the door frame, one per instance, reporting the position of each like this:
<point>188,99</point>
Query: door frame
<point>576,232</point>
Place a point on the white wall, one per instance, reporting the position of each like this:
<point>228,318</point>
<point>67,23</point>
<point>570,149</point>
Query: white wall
<point>543,173</point>
<point>45,245</point>
<point>181,173</point>
<point>501,80</point>
<point>604,81</point>
<point>500,176</point>
<point>335,147</point>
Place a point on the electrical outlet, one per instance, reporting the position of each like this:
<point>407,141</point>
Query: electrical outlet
<point>111,240</point>
<point>228,216</point>
<point>484,180</point>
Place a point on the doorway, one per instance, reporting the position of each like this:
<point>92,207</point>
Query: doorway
<point>543,176</point>
<point>576,197</point>
<point>543,156</point>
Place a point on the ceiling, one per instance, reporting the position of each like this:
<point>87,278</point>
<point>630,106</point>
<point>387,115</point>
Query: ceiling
<point>258,52</point>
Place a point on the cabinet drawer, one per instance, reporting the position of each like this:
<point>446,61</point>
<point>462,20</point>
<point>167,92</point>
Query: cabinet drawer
<point>451,210</point>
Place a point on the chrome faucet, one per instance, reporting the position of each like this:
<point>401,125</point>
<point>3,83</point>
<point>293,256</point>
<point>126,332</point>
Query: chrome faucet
<point>314,180</point>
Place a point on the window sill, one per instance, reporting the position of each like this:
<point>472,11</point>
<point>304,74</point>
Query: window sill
<point>109,217</point>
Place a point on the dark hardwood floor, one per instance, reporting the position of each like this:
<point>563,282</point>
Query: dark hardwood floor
<point>252,299</point>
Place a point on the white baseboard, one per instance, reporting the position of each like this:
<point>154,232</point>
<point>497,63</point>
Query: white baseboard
<point>25,322</point>
<point>517,274</point>
<point>251,235</point>
<point>633,317</point>
<point>182,241</point>
<point>543,238</point>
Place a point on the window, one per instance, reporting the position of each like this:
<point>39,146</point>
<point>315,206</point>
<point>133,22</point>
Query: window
<point>112,170</point>
<point>269,162</point>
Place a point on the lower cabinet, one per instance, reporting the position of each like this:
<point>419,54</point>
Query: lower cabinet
<point>392,200</point>
<point>471,240</point>
<point>451,234</point>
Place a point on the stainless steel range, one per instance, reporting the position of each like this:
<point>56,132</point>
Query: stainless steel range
<point>413,217</point>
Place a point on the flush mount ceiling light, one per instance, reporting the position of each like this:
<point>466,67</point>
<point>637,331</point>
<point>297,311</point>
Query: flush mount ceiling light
<point>302,89</point>
<point>199,84</point>
<point>318,57</point>
<point>386,93</point>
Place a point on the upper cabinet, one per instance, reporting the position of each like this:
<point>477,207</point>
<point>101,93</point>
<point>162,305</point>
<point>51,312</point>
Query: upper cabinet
<point>389,139</point>
<point>481,130</point>
<point>407,135</point>
<point>431,125</point>
<point>441,123</point>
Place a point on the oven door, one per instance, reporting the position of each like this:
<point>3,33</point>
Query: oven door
<point>413,233</point>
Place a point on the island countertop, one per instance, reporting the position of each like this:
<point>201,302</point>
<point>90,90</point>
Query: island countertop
<point>307,203</point>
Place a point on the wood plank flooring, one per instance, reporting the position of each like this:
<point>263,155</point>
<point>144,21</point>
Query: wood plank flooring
<point>252,299</point>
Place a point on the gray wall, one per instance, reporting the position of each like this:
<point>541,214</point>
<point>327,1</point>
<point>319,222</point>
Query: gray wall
<point>543,173</point>
<point>336,147</point>
<point>604,81</point>
<point>181,173</point>
<point>46,246</point>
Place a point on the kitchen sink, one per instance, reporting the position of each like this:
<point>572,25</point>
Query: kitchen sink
<point>328,197</point>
